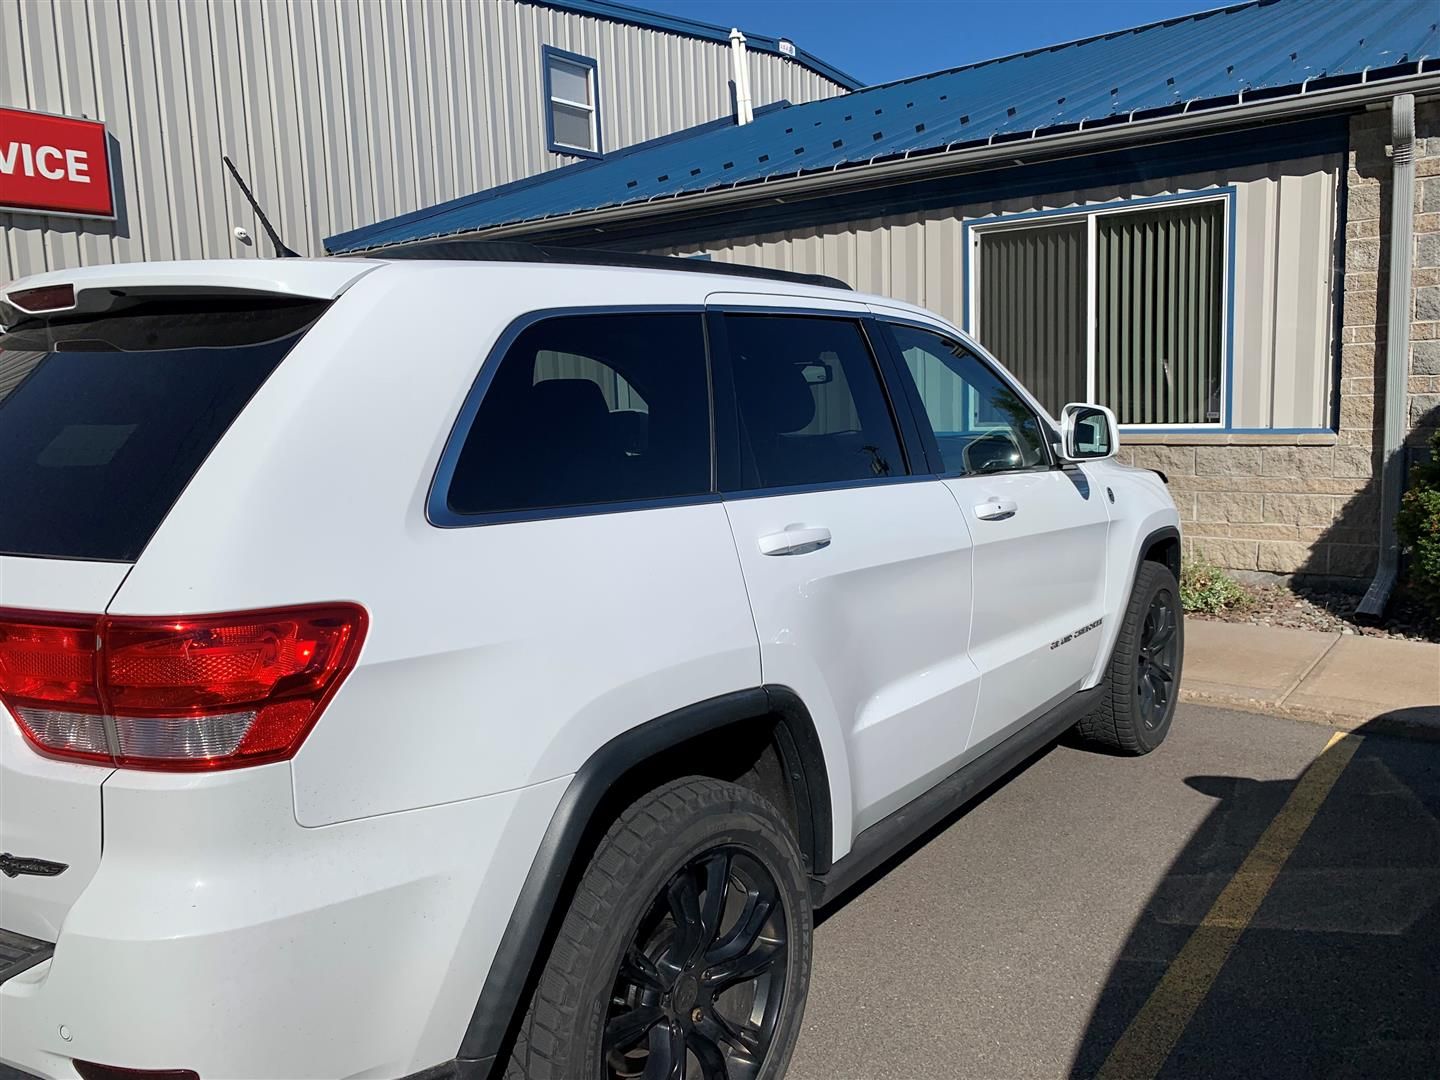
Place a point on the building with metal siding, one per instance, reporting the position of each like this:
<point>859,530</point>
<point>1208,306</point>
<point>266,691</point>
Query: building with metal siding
<point>339,114</point>
<point>1247,156</point>
<point>927,258</point>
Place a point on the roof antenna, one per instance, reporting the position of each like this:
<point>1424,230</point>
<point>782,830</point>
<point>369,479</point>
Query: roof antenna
<point>281,251</point>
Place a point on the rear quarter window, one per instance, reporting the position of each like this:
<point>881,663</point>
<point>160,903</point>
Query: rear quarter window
<point>105,420</point>
<point>590,411</point>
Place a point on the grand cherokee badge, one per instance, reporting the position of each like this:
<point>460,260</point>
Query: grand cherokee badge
<point>13,866</point>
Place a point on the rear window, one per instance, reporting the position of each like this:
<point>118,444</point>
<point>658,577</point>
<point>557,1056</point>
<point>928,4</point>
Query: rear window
<point>104,420</point>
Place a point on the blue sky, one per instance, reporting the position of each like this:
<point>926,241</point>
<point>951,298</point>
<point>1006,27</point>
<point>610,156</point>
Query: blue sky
<point>881,40</point>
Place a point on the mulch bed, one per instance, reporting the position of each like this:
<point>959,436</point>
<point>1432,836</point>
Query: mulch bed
<point>1332,610</point>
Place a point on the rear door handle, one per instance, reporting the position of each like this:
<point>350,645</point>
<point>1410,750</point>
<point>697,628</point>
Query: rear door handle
<point>996,509</point>
<point>795,540</point>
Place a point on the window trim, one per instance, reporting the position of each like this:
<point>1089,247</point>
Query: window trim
<point>437,498</point>
<point>727,447</point>
<point>922,419</point>
<point>548,54</point>
<point>974,228</point>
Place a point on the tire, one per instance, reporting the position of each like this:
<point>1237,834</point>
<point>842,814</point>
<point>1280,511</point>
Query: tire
<point>1126,721</point>
<point>666,853</point>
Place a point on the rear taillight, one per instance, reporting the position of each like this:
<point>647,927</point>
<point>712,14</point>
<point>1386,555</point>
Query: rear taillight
<point>196,692</point>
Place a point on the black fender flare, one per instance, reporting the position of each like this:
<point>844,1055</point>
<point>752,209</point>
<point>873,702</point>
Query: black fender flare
<point>1168,532</point>
<point>536,909</point>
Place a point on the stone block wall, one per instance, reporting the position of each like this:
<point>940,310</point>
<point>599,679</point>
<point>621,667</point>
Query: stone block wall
<point>1283,504</point>
<point>1309,504</point>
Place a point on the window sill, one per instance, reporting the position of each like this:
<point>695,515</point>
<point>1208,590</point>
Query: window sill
<point>575,151</point>
<point>1228,438</point>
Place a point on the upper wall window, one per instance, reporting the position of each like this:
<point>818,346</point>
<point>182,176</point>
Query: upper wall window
<point>1123,307</point>
<point>572,103</point>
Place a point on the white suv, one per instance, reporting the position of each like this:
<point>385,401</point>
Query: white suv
<point>444,667</point>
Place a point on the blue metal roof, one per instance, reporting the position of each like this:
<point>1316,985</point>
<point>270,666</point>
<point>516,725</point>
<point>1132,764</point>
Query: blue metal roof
<point>1257,50</point>
<point>678,24</point>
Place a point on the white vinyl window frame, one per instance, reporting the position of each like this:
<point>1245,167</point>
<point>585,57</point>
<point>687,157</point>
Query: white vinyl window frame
<point>978,228</point>
<point>588,68</point>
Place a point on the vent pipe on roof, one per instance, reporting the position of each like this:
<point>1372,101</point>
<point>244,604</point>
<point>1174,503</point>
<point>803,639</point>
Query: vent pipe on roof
<point>740,72</point>
<point>1397,348</point>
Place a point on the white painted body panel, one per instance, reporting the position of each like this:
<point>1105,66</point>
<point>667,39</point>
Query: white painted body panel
<point>49,809</point>
<point>1142,506</point>
<point>59,584</point>
<point>347,904</point>
<point>870,631</point>
<point>1039,576</point>
<point>220,935</point>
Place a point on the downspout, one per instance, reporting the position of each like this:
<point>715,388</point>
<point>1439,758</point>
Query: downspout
<point>1397,349</point>
<point>740,72</point>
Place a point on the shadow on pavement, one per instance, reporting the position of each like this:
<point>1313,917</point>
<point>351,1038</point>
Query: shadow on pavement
<point>860,887</point>
<point>1338,972</point>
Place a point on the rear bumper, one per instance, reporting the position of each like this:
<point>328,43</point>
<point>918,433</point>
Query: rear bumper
<point>219,935</point>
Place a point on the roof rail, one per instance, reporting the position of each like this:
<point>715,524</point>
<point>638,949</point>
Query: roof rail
<point>519,251</point>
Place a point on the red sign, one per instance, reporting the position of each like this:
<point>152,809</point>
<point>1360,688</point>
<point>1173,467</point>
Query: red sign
<point>54,165</point>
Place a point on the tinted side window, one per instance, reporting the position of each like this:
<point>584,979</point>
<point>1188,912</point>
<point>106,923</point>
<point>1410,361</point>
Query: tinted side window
<point>588,409</point>
<point>810,403</point>
<point>981,425</point>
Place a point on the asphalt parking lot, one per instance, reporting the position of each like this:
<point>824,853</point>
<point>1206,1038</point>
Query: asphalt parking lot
<point>1259,895</point>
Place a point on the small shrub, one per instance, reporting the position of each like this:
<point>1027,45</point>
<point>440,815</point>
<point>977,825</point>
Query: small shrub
<point>1418,524</point>
<point>1210,590</point>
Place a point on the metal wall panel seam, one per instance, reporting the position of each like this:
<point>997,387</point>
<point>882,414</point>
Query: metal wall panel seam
<point>162,123</point>
<point>94,240</point>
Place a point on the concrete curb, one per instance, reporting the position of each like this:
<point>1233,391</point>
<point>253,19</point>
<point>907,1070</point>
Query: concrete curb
<point>1421,724</point>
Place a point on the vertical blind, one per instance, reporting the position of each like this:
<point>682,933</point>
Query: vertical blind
<point>1032,307</point>
<point>1159,277</point>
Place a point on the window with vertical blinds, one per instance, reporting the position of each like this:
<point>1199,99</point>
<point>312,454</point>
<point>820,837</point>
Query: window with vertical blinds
<point>1158,300</point>
<point>1031,302</point>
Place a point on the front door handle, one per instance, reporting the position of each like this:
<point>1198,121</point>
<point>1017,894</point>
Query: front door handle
<point>795,540</point>
<point>996,509</point>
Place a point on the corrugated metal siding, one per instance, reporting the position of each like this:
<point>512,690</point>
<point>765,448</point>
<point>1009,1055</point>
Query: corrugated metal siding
<point>338,114</point>
<point>1286,215</point>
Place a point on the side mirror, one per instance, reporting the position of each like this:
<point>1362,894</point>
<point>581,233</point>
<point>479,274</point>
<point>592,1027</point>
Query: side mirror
<point>1088,432</point>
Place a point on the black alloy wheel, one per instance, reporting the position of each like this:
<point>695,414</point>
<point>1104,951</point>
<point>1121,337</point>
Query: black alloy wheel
<point>700,987</point>
<point>1155,666</point>
<point>1136,705</point>
<point>684,952</point>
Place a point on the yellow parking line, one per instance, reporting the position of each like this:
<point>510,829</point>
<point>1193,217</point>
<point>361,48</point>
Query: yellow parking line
<point>1147,1042</point>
